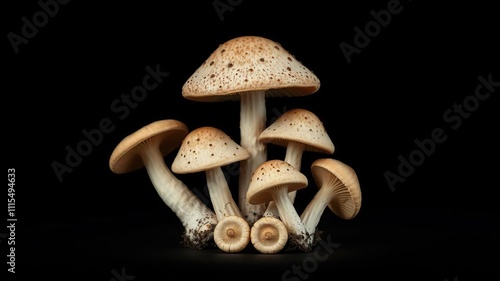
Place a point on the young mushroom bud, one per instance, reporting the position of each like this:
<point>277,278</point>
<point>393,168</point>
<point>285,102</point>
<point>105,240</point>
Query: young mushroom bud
<point>147,148</point>
<point>269,235</point>
<point>232,234</point>
<point>339,189</point>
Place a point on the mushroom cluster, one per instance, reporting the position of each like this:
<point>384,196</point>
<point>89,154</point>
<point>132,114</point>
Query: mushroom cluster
<point>247,69</point>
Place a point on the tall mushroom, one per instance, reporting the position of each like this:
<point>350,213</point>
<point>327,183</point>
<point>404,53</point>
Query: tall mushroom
<point>249,69</point>
<point>298,130</point>
<point>147,148</point>
<point>206,149</point>
<point>339,189</point>
<point>272,181</point>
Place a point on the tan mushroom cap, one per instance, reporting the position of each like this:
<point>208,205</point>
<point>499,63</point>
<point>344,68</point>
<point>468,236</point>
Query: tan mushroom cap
<point>249,63</point>
<point>347,200</point>
<point>232,234</point>
<point>269,235</point>
<point>270,174</point>
<point>299,125</point>
<point>205,148</point>
<point>126,156</point>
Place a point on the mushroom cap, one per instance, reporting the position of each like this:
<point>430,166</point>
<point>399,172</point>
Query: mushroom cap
<point>205,148</point>
<point>299,125</point>
<point>126,157</point>
<point>232,234</point>
<point>270,174</point>
<point>347,200</point>
<point>249,63</point>
<point>269,235</point>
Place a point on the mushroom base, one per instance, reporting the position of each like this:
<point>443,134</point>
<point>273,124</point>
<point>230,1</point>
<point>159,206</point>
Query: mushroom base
<point>200,237</point>
<point>300,242</point>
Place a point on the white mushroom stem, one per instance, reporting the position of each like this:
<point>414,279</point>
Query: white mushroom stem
<point>252,122</point>
<point>220,194</point>
<point>196,217</point>
<point>288,214</point>
<point>314,210</point>
<point>294,152</point>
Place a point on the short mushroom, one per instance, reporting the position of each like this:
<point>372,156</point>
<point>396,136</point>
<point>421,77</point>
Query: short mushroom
<point>232,234</point>
<point>249,69</point>
<point>272,181</point>
<point>298,130</point>
<point>207,149</point>
<point>147,148</point>
<point>269,235</point>
<point>339,189</point>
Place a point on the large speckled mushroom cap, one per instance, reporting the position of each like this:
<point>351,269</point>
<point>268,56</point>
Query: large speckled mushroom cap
<point>126,156</point>
<point>347,200</point>
<point>270,174</point>
<point>205,148</point>
<point>302,126</point>
<point>249,63</point>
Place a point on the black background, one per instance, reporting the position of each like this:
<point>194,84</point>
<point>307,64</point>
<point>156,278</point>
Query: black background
<point>439,224</point>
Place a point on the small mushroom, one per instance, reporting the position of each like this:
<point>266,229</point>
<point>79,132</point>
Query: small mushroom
<point>147,148</point>
<point>269,235</point>
<point>272,181</point>
<point>339,189</point>
<point>298,130</point>
<point>232,234</point>
<point>207,149</point>
<point>249,69</point>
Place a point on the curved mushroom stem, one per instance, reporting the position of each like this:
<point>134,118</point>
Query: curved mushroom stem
<point>294,152</point>
<point>252,122</point>
<point>220,194</point>
<point>298,235</point>
<point>198,220</point>
<point>314,210</point>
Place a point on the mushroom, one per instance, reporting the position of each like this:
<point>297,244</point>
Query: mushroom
<point>232,234</point>
<point>269,235</point>
<point>298,130</point>
<point>207,149</point>
<point>272,181</point>
<point>249,69</point>
<point>147,148</point>
<point>339,189</point>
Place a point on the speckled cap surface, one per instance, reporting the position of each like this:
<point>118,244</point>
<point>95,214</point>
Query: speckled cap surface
<point>249,63</point>
<point>299,125</point>
<point>205,148</point>
<point>270,174</point>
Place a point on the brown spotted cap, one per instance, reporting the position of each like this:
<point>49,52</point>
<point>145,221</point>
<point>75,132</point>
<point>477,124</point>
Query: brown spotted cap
<point>299,125</point>
<point>205,148</point>
<point>249,63</point>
